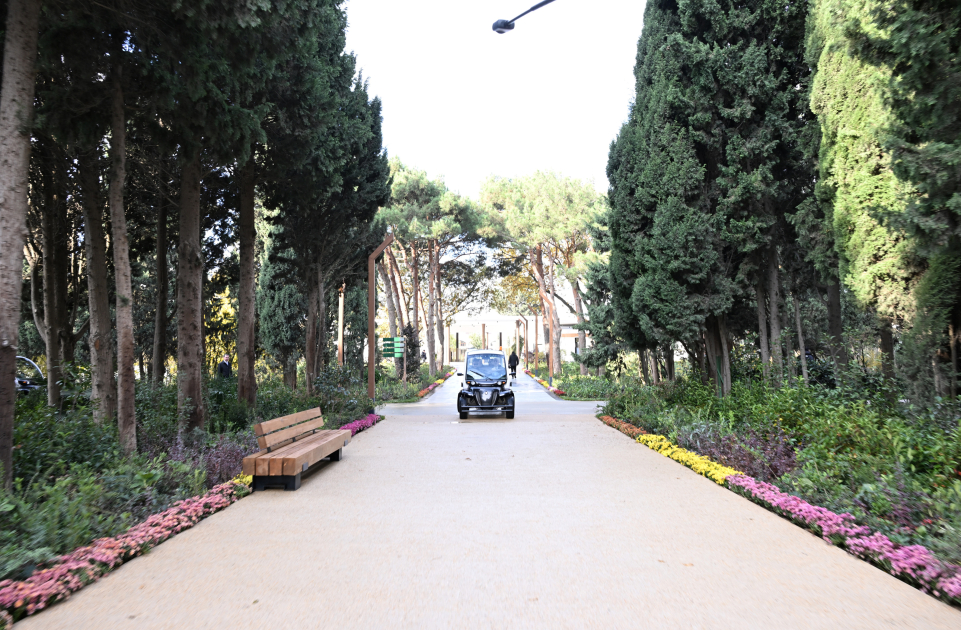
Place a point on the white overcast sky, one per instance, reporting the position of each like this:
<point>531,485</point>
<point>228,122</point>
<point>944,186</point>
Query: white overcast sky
<point>463,102</point>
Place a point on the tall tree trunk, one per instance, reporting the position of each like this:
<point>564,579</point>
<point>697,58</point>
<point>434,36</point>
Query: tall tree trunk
<point>159,361</point>
<point>16,118</point>
<point>761,298</point>
<point>310,345</point>
<point>290,372</point>
<point>415,293</point>
<point>431,311</point>
<point>800,337</point>
<point>397,281</point>
<point>35,300</point>
<point>789,364</point>
<point>953,340</point>
<point>190,355</point>
<point>126,412</point>
<point>441,338</point>
<point>669,362</point>
<point>774,319</point>
<point>51,227</point>
<point>835,325</point>
<point>321,357</point>
<point>537,266</point>
<point>581,334</point>
<point>885,325</point>
<point>392,311</point>
<point>644,367</point>
<point>104,388</point>
<point>710,352</point>
<point>718,353</point>
<point>246,341</point>
<point>725,344</point>
<point>655,371</point>
<point>556,319</point>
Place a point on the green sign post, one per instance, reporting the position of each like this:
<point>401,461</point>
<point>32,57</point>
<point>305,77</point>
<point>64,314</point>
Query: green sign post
<point>393,347</point>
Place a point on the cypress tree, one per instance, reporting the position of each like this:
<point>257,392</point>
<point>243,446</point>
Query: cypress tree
<point>856,185</point>
<point>704,172</point>
<point>919,43</point>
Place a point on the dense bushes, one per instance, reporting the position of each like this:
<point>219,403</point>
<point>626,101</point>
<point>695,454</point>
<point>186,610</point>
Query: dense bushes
<point>897,469</point>
<point>581,387</point>
<point>73,485</point>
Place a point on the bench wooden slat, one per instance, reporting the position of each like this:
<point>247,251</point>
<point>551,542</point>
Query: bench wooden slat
<point>249,464</point>
<point>257,464</point>
<point>320,449</point>
<point>273,439</point>
<point>305,445</point>
<point>279,423</point>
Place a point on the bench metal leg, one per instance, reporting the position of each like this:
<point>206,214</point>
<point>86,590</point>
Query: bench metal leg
<point>336,455</point>
<point>292,483</point>
<point>289,482</point>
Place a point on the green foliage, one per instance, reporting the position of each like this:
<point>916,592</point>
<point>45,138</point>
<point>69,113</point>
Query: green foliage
<point>710,159</point>
<point>46,441</point>
<point>857,185</point>
<point>897,469</point>
<point>917,42</point>
<point>280,307</point>
<point>923,345</point>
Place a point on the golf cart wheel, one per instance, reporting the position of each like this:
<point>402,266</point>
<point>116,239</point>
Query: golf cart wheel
<point>463,415</point>
<point>509,414</point>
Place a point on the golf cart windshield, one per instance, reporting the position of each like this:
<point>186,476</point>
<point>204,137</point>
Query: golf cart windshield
<point>487,367</point>
<point>26,371</point>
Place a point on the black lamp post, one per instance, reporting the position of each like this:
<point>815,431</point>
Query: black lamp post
<point>502,26</point>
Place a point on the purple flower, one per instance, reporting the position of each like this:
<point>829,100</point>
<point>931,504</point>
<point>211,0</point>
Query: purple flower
<point>357,426</point>
<point>914,564</point>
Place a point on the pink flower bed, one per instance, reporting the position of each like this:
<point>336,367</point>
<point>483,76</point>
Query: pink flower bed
<point>88,564</point>
<point>914,564</point>
<point>357,426</point>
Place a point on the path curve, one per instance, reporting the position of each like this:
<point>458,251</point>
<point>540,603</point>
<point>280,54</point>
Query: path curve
<point>550,520</point>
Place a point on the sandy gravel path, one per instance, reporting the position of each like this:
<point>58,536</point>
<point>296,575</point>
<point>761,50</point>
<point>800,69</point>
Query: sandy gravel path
<point>550,520</point>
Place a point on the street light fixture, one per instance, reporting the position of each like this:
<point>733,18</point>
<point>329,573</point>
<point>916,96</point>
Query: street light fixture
<point>503,26</point>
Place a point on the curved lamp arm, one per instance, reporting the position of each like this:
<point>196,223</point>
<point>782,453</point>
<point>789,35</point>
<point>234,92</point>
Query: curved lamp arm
<point>503,26</point>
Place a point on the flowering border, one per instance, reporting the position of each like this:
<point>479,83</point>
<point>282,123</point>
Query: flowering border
<point>357,426</point>
<point>88,564</point>
<point>547,386</point>
<point>434,385</point>
<point>914,564</point>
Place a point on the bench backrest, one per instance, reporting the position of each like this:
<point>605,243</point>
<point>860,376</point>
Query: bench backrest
<point>273,432</point>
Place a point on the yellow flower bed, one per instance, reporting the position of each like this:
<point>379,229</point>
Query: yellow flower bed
<point>243,480</point>
<point>698,463</point>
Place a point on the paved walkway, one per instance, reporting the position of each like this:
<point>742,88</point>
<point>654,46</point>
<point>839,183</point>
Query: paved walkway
<point>550,520</point>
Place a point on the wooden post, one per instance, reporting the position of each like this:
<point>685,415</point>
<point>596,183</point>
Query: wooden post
<point>371,313</point>
<point>340,327</point>
<point>483,337</point>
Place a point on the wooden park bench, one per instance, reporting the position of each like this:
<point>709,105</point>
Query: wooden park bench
<point>291,445</point>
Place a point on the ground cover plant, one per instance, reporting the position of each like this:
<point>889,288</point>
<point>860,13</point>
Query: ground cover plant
<point>73,571</point>
<point>73,484</point>
<point>914,564</point>
<point>577,386</point>
<point>850,449</point>
<point>390,388</point>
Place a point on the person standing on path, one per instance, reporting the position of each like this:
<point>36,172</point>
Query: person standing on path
<point>512,361</point>
<point>223,368</point>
